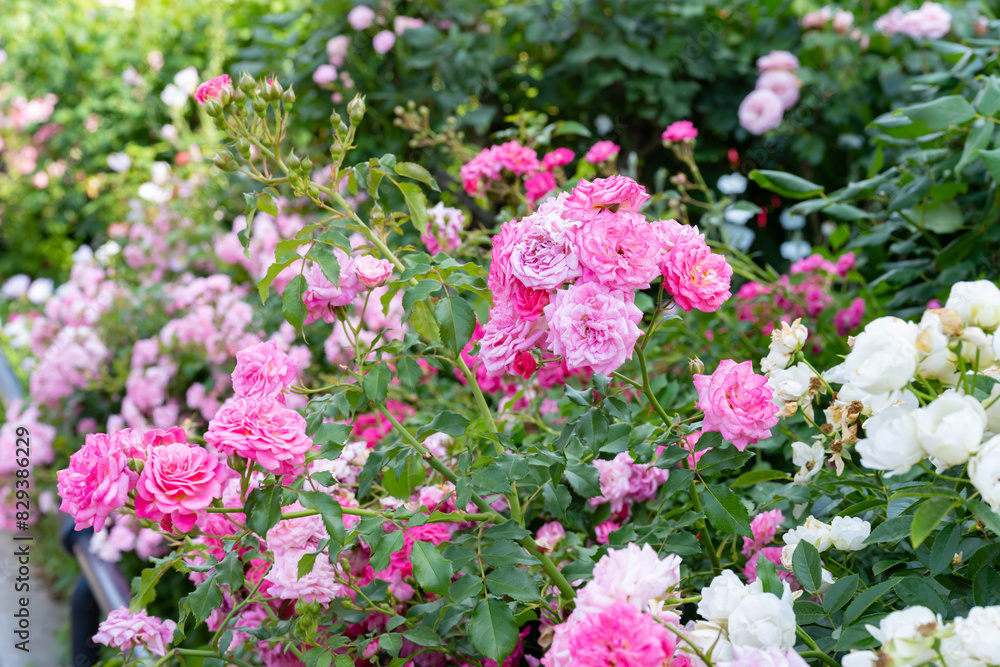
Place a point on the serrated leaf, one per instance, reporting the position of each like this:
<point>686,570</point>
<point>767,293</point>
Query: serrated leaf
<point>892,530</point>
<point>492,630</point>
<point>928,516</point>
<point>376,382</point>
<point>867,599</point>
<point>456,319</point>
<point>263,508</point>
<point>328,262</point>
<point>432,570</point>
<point>514,583</point>
<point>292,306</point>
<point>205,598</point>
<point>585,479</point>
<point>306,564</point>
<point>417,203</point>
<point>229,571</point>
<point>944,549</point>
<point>416,172</point>
<point>840,593</point>
<point>264,286</point>
<point>807,566</point>
<point>329,510</point>
<point>418,293</point>
<point>725,511</point>
<point>409,372</point>
<point>465,587</point>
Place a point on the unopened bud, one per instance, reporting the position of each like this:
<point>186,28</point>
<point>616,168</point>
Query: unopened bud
<point>288,98</point>
<point>293,161</point>
<point>247,84</point>
<point>259,105</point>
<point>239,96</point>
<point>276,90</point>
<point>224,161</point>
<point>213,107</point>
<point>243,146</point>
<point>306,165</point>
<point>225,96</point>
<point>356,109</point>
<point>696,366</point>
<point>335,119</point>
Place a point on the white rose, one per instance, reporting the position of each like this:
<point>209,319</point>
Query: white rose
<point>984,472</point>
<point>977,345</point>
<point>774,361</point>
<point>813,531</point>
<point>721,596</point>
<point>787,553</point>
<point>16,286</point>
<point>907,635</point>
<point>993,411</point>
<point>936,360</point>
<point>40,290</point>
<point>953,651</point>
<point>849,533</point>
<point>809,459</point>
<point>883,359</point>
<point>977,303</point>
<point>860,659</point>
<point>979,634</point>
<point>826,580</point>
<point>710,640</point>
<point>763,620</point>
<point>951,428</point>
<point>890,442</point>
<point>788,339</point>
<point>790,384</point>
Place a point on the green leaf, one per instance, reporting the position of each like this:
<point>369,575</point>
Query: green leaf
<point>417,173</point>
<point>376,382</point>
<point>383,550</point>
<point>940,113</point>
<point>329,509</point>
<point>892,530</point>
<point>391,643</point>
<point>265,204</point>
<point>229,571</point>
<point>992,161</point>
<point>292,306</point>
<point>417,203</point>
<point>264,286</point>
<point>422,636</point>
<point>492,630</point>
<point>513,582</point>
<point>465,587</point>
<point>306,564</point>
<point>944,549</point>
<point>328,262</point>
<point>584,479</point>
<point>409,372</point>
<point>205,598</point>
<point>867,599</point>
<point>913,591</point>
<point>145,585</point>
<point>432,570</point>
<point>985,514</point>
<point>448,422</point>
<point>725,511</point>
<point>839,593</point>
<point>263,508</point>
<point>938,217</point>
<point>251,210</point>
<point>401,485</point>
<point>418,293</point>
<point>755,477</point>
<point>928,516</point>
<point>785,184</point>
<point>978,139</point>
<point>986,587</point>
<point>508,530</point>
<point>988,100</point>
<point>457,321</point>
<point>768,575</point>
<point>807,566</point>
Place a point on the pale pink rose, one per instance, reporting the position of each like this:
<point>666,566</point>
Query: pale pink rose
<point>778,60</point>
<point>617,635</point>
<point>761,111</point>
<point>539,185</point>
<point>842,21</point>
<point>177,483</point>
<point>403,23</point>
<point>772,656</point>
<point>782,83</point>
<point>737,403</point>
<point>361,17</point>
<point>621,249</point>
<point>602,151</point>
<point>373,272</point>
<point>890,23</point>
<point>320,585</point>
<point>549,536</point>
<point>557,158</point>
<point>590,198</point>
<point>302,533</point>
<point>263,431</point>
<point>325,74</point>
<point>604,529</point>
<point>97,481</point>
<point>545,255</point>
<point>931,21</point>
<point>616,482</point>
<point>444,232</point>
<point>696,277</point>
<point>212,88</point>
<point>504,336</point>
<point>337,48</point>
<point>321,296</point>
<point>817,20</point>
<point>383,41</point>
<point>126,630</point>
<point>593,327</point>
<point>672,233</point>
<point>263,371</point>
<point>682,130</point>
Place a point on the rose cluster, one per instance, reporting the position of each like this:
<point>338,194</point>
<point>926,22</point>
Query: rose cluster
<point>776,91</point>
<point>564,278</point>
<point>930,21</point>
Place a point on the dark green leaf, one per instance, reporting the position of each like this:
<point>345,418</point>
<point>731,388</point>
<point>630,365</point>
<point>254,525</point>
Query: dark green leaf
<point>867,599</point>
<point>292,306</point>
<point>432,570</point>
<point>513,582</point>
<point>447,422</point>
<point>940,113</point>
<point>725,511</point>
<point>840,593</point>
<point>492,630</point>
<point>928,516</point>
<point>330,511</point>
<point>376,382</point>
<point>263,508</point>
<point>457,320</point>
<point>755,477</point>
<point>785,184</point>
<point>807,566</point>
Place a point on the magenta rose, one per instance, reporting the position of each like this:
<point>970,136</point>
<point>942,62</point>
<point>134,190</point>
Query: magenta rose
<point>682,130</point>
<point>528,303</point>
<point>593,327</point>
<point>696,277</point>
<point>525,364</point>
<point>373,272</point>
<point>263,371</point>
<point>504,336</point>
<point>97,481</point>
<point>621,249</point>
<point>590,198</point>
<point>557,158</point>
<point>177,483</point>
<point>263,431</point>
<point>539,185</point>
<point>737,403</point>
<point>602,151</point>
<point>212,88</point>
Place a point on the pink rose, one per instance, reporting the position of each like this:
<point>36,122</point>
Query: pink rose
<point>263,371</point>
<point>361,17</point>
<point>617,635</point>
<point>155,438</point>
<point>682,130</point>
<point>504,336</point>
<point>177,483</point>
<point>383,41</point>
<point>764,527</point>
<point>602,151</point>
<point>778,60</point>
<point>782,83</point>
<point>125,630</point>
<point>549,536</point>
<point>602,531</point>
<point>263,431</point>
<point>737,403</point>
<point>761,111</point>
<point>590,198</point>
<point>621,249</point>
<point>848,319</point>
<point>322,296</point>
<point>212,88</point>
<point>325,74</point>
<point>593,327</point>
<point>515,158</point>
<point>525,364</point>
<point>373,272</point>
<point>696,277</point>
<point>544,255</point>
<point>539,185</point>
<point>557,158</point>
<point>97,481</point>
<point>527,302</point>
<point>816,20</point>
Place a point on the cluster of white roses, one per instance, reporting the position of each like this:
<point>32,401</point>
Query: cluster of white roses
<point>917,636</point>
<point>944,358</point>
<point>846,533</point>
<point>789,384</point>
<point>741,615</point>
